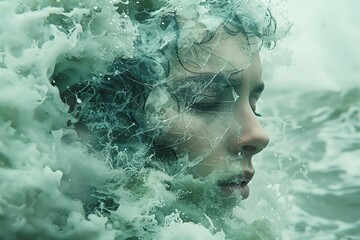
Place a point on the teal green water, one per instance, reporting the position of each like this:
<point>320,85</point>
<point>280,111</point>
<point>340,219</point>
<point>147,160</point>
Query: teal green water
<point>306,185</point>
<point>320,153</point>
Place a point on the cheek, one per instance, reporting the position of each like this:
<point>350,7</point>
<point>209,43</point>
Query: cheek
<point>183,132</point>
<point>213,163</point>
<point>192,134</point>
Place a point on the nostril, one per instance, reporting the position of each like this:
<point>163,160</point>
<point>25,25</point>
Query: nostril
<point>249,149</point>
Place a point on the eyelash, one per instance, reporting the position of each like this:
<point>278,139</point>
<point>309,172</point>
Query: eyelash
<point>205,107</point>
<point>257,114</point>
<point>253,107</point>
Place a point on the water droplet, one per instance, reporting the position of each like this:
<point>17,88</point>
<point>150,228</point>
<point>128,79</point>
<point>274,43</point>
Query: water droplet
<point>97,9</point>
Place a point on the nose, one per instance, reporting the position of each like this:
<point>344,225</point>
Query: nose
<point>253,138</point>
<point>246,135</point>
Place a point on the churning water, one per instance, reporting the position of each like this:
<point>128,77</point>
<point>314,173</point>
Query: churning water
<point>318,97</point>
<point>306,186</point>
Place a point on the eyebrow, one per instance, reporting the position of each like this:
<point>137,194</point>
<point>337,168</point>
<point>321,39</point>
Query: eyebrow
<point>224,80</point>
<point>217,77</point>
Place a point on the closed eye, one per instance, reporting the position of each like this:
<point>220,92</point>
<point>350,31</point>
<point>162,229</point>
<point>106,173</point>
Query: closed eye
<point>253,107</point>
<point>211,107</point>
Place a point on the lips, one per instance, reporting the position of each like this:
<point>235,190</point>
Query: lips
<point>237,182</point>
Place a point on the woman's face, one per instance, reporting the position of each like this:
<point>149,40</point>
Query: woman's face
<point>209,117</point>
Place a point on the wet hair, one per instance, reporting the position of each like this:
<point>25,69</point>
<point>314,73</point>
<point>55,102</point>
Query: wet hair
<point>113,107</point>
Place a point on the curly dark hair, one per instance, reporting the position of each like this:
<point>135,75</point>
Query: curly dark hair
<point>112,108</point>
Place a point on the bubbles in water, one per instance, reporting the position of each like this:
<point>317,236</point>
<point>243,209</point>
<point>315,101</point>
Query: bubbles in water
<point>103,172</point>
<point>97,9</point>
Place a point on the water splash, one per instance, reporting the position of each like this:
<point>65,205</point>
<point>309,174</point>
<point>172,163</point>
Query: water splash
<point>54,186</point>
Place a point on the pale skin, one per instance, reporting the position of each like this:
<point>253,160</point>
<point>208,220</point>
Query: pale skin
<point>215,137</point>
<point>218,129</point>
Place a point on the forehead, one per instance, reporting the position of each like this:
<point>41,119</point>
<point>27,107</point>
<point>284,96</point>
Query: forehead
<point>224,59</point>
<point>223,51</point>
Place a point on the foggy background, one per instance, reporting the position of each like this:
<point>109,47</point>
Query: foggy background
<point>324,46</point>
